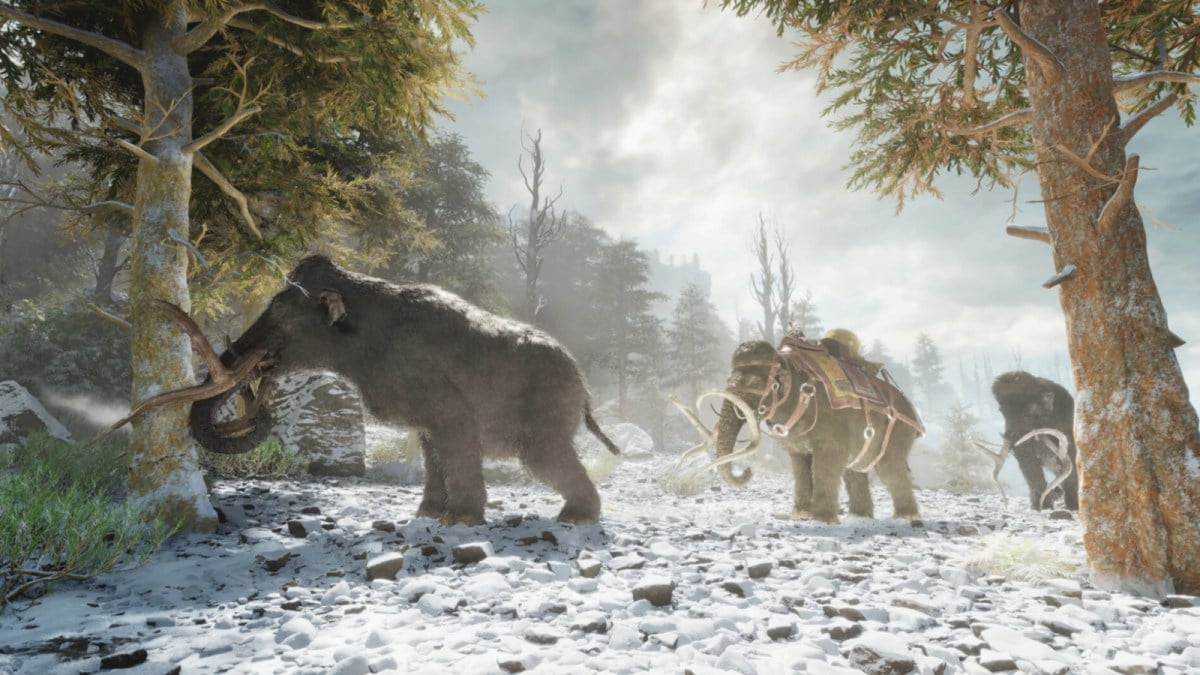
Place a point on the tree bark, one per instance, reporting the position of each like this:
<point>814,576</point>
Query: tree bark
<point>163,459</point>
<point>1139,447</point>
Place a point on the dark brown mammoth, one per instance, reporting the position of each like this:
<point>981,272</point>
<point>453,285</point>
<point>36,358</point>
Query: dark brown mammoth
<point>1039,421</point>
<point>825,442</point>
<point>474,383</point>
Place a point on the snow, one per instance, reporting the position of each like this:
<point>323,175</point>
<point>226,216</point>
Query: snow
<point>715,581</point>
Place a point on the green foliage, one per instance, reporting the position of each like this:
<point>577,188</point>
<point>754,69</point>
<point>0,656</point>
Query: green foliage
<point>696,345</point>
<point>1023,559</point>
<point>917,87</point>
<point>271,459</point>
<point>60,518</point>
<point>964,465</point>
<point>67,347</point>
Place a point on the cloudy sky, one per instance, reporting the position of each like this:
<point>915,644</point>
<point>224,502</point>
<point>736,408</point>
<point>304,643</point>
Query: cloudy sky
<point>667,122</point>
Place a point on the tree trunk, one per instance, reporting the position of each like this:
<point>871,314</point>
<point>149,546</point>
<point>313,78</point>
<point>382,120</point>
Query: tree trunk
<point>163,461</point>
<point>109,265</point>
<point>1139,448</point>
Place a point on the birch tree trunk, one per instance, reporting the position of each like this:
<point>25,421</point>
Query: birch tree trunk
<point>1139,448</point>
<point>163,459</point>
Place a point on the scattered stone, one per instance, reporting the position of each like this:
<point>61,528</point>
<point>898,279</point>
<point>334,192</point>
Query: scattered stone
<point>1180,601</point>
<point>321,417</point>
<point>780,628</point>
<point>21,414</point>
<point>658,591</point>
<point>879,653</point>
<point>1061,514</point>
<point>512,666</point>
<point>842,630</point>
<point>995,661</point>
<point>736,588</point>
<point>591,622</point>
<point>124,660</point>
<point>471,553</point>
<point>759,570</point>
<point>385,566</point>
<point>273,562</point>
<point>384,526</point>
<point>589,568</point>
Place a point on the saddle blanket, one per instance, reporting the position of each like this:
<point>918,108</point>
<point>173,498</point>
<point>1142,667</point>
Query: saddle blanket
<point>846,384</point>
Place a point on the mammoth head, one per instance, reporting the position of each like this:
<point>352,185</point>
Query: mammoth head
<point>298,330</point>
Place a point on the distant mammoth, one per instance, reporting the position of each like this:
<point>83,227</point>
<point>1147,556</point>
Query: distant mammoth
<point>802,395</point>
<point>1039,420</point>
<point>475,384</point>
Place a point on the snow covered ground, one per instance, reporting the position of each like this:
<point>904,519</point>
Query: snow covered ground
<point>712,582</point>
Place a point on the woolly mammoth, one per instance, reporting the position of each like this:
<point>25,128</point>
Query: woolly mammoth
<point>1039,417</point>
<point>475,384</point>
<point>835,420</point>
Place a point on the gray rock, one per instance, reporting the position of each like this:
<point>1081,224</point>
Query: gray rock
<point>657,591</point>
<point>321,416</point>
<point>471,553</point>
<point>759,570</point>
<point>385,566</point>
<point>879,653</point>
<point>21,414</point>
<point>589,568</point>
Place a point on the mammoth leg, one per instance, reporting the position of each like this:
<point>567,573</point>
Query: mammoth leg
<point>858,488</point>
<point>458,464</point>
<point>802,492</point>
<point>1070,487</point>
<point>894,474</point>
<point>827,467</point>
<point>1031,468</point>
<point>433,503</point>
<point>553,460</point>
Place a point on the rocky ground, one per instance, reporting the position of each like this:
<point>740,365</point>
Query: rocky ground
<point>335,576</point>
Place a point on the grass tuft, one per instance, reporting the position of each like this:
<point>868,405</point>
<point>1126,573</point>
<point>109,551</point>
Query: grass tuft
<point>271,459</point>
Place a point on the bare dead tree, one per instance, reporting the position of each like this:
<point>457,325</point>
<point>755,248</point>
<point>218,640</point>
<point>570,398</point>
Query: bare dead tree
<point>763,285</point>
<point>543,226</point>
<point>786,283</point>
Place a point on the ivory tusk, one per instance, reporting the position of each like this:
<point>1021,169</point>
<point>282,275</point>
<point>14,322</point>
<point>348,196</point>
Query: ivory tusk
<point>751,422</point>
<point>1066,466</point>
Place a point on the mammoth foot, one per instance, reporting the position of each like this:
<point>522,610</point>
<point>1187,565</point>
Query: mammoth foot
<point>578,516</point>
<point>450,518</point>
<point>913,518</point>
<point>801,514</point>
<point>828,519</point>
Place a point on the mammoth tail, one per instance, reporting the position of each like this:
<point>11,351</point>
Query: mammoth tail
<point>596,430</point>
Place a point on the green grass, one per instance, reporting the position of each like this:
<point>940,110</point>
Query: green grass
<point>63,517</point>
<point>269,460</point>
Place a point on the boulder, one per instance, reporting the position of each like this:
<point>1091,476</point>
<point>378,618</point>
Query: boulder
<point>321,417</point>
<point>22,414</point>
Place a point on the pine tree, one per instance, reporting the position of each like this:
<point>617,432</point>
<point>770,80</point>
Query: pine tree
<point>628,328</point>
<point>965,467</point>
<point>694,355</point>
<point>928,372</point>
<point>1059,87</point>
<point>286,114</point>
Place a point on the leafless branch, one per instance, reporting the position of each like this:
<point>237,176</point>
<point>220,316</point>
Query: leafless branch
<point>1035,233</point>
<point>1085,163</point>
<point>1126,82</point>
<point>1067,272</point>
<point>1052,69</point>
<point>1013,118</point>
<point>121,51</point>
<point>245,108</point>
<point>110,317</point>
<point>971,51</point>
<point>1120,198</point>
<point>214,174</point>
<point>287,46</point>
<point>1134,124</point>
<point>206,29</point>
<point>136,150</point>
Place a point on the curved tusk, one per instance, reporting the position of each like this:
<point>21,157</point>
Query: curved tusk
<point>751,443</point>
<point>707,436</point>
<point>1066,466</point>
<point>997,457</point>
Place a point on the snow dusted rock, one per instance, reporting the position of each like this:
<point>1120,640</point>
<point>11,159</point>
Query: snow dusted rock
<point>657,590</point>
<point>321,416</point>
<point>634,442</point>
<point>21,414</point>
<point>385,566</point>
<point>879,653</point>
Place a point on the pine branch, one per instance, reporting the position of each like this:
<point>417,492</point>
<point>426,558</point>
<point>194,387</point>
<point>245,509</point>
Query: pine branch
<point>214,174</point>
<point>1035,233</point>
<point>121,51</point>
<point>1013,118</point>
<point>1052,69</point>
<point>1135,123</point>
<point>1120,198</point>
<point>287,46</point>
<point>206,29</point>
<point>1127,82</point>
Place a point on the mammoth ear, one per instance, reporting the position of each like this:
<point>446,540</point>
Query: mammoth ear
<point>331,302</point>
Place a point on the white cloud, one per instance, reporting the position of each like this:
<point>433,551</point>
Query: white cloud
<point>669,122</point>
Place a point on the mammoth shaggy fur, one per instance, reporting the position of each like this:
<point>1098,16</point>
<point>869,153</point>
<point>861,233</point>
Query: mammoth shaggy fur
<point>473,383</point>
<point>1028,403</point>
<point>820,456</point>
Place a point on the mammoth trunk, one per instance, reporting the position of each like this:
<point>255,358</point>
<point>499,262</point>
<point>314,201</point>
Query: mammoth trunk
<point>231,437</point>
<point>727,433</point>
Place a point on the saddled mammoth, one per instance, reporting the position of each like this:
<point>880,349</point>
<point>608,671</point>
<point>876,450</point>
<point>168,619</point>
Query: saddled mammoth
<point>832,415</point>
<point>1039,420</point>
<point>473,383</point>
